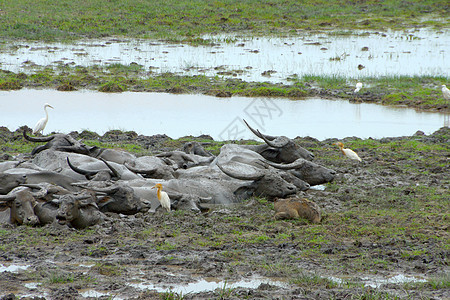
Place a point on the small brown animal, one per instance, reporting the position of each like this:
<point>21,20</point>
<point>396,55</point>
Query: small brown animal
<point>292,208</point>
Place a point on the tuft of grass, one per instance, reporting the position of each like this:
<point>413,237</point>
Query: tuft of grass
<point>170,295</point>
<point>107,269</point>
<point>112,87</point>
<point>60,278</point>
<point>309,280</point>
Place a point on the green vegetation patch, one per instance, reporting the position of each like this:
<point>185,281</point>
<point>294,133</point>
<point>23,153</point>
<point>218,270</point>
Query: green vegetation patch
<point>189,20</point>
<point>423,92</point>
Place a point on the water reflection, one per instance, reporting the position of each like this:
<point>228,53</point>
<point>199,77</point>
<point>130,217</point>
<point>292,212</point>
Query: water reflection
<point>13,268</point>
<point>181,115</point>
<point>418,52</point>
<point>203,285</point>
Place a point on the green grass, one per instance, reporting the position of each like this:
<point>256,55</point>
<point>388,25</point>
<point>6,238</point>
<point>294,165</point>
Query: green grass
<point>419,92</point>
<point>310,280</point>
<point>189,20</point>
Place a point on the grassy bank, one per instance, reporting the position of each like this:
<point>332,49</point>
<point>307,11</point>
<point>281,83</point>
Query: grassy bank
<point>188,20</point>
<point>422,92</point>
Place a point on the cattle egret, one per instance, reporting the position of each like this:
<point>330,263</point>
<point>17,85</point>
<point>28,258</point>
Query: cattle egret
<point>445,92</point>
<point>348,152</point>
<point>162,197</point>
<point>358,87</point>
<point>40,125</point>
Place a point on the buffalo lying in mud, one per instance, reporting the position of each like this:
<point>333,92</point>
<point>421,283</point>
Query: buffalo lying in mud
<point>60,142</point>
<point>279,149</point>
<point>78,211</point>
<point>119,182</point>
<point>18,207</point>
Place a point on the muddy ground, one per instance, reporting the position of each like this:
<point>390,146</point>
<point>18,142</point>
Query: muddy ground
<point>384,218</point>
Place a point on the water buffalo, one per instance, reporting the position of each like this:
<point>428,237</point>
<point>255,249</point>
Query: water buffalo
<point>264,182</point>
<point>10,181</point>
<point>195,148</point>
<point>20,205</point>
<point>57,161</point>
<point>120,198</point>
<point>60,142</point>
<point>113,155</point>
<point>308,171</point>
<point>78,211</point>
<point>98,175</point>
<point>279,149</point>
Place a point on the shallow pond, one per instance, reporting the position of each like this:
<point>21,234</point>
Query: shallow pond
<point>181,115</point>
<point>415,52</point>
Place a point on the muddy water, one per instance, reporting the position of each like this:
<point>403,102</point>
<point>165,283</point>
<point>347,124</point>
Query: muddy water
<point>390,53</point>
<point>181,115</point>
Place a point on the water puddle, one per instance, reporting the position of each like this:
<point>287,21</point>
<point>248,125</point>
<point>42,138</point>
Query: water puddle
<point>415,52</point>
<point>207,285</point>
<point>97,294</point>
<point>32,285</point>
<point>13,268</point>
<point>181,115</point>
<point>376,281</point>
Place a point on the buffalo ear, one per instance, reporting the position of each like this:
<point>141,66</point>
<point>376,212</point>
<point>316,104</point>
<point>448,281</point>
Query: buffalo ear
<point>5,205</point>
<point>270,153</point>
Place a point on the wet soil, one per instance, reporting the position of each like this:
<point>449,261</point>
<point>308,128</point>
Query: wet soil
<point>145,255</point>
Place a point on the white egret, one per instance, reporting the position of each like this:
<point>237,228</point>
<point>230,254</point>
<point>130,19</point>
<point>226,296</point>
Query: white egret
<point>40,125</point>
<point>358,87</point>
<point>445,92</point>
<point>348,152</point>
<point>162,197</point>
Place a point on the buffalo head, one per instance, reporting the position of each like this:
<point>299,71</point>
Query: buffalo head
<point>280,149</point>
<point>266,183</point>
<point>308,171</point>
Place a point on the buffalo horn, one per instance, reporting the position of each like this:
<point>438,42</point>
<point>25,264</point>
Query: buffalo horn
<point>279,142</point>
<point>7,198</point>
<point>258,133</point>
<point>293,165</point>
<point>255,175</point>
<point>37,139</point>
<point>140,171</point>
<point>114,171</point>
<point>81,171</point>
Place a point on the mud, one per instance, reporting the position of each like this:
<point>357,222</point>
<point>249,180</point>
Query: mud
<point>157,255</point>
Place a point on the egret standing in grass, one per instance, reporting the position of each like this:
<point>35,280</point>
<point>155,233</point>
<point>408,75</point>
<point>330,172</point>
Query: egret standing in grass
<point>40,125</point>
<point>348,152</point>
<point>163,198</point>
<point>358,87</point>
<point>445,92</point>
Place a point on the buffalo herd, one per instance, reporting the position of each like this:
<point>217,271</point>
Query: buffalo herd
<point>67,182</point>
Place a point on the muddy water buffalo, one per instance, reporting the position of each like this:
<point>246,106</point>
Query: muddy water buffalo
<point>308,171</point>
<point>78,211</point>
<point>120,198</point>
<point>60,142</point>
<point>10,181</point>
<point>151,167</point>
<point>98,175</point>
<point>264,182</point>
<point>279,149</point>
<point>20,204</point>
